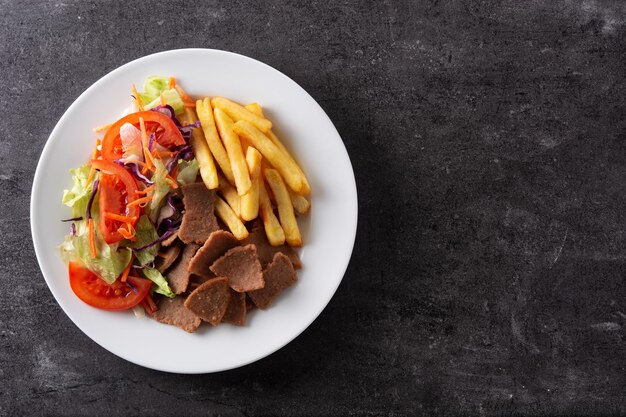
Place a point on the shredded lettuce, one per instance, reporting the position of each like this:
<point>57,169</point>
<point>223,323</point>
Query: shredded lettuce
<point>78,197</point>
<point>145,233</point>
<point>153,87</point>
<point>187,171</point>
<point>160,285</point>
<point>170,97</point>
<point>110,262</point>
<point>162,186</point>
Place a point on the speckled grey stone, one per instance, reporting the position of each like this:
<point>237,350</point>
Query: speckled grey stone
<point>488,141</point>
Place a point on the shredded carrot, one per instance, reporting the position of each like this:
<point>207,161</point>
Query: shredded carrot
<point>137,98</point>
<point>102,128</point>
<point>186,97</point>
<point>171,82</point>
<point>140,201</point>
<point>150,302</point>
<point>146,307</point>
<point>163,102</point>
<point>127,270</point>
<point>188,104</point>
<point>92,173</point>
<point>127,233</point>
<point>144,141</point>
<point>92,239</point>
<point>145,190</point>
<point>161,154</point>
<point>119,218</point>
<point>161,254</point>
<point>173,184</point>
<point>96,152</point>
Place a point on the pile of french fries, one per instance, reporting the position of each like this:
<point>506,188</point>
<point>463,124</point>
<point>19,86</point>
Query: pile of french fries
<point>241,158</point>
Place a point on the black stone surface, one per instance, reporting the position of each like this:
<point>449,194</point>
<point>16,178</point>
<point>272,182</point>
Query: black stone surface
<point>488,141</point>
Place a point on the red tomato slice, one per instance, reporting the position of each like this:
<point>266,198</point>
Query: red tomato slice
<point>94,291</point>
<point>117,188</point>
<point>166,132</point>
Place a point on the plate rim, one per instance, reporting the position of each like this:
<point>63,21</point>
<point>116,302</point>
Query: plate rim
<point>37,180</point>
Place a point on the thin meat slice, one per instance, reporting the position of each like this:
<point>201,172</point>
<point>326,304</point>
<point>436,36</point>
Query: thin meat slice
<point>170,240</point>
<point>172,311</point>
<point>199,219</point>
<point>218,243</point>
<point>195,281</point>
<point>236,310</point>
<point>249,304</point>
<point>278,276</point>
<point>242,268</point>
<point>210,300</point>
<point>166,258</point>
<point>266,251</point>
<point>178,275</point>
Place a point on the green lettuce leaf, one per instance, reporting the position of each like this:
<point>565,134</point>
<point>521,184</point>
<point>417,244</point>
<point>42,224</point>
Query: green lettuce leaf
<point>162,186</point>
<point>145,233</point>
<point>77,198</point>
<point>160,285</point>
<point>110,262</point>
<point>153,87</point>
<point>171,97</point>
<point>187,171</point>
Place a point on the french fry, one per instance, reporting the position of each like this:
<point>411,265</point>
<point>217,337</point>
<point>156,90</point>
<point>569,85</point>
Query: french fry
<point>228,216</point>
<point>258,110</point>
<point>202,151</point>
<point>238,112</point>
<point>287,168</point>
<point>250,200</point>
<point>230,195</point>
<point>300,204</point>
<point>255,108</point>
<point>233,149</point>
<point>273,230</point>
<point>285,208</point>
<point>205,114</point>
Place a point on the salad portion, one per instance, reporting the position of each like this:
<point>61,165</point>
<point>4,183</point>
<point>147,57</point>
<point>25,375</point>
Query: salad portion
<point>185,211</point>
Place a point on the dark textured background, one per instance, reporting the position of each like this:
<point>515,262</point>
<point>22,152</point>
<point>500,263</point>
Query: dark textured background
<point>488,141</point>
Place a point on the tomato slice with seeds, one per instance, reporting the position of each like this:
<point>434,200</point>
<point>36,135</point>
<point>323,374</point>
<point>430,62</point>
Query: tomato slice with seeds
<point>117,296</point>
<point>116,189</point>
<point>165,130</point>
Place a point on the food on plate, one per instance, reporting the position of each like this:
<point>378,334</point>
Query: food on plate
<point>238,112</point>
<point>218,243</point>
<point>233,150</point>
<point>285,208</point>
<point>178,275</point>
<point>198,142</point>
<point>173,311</point>
<point>265,250</point>
<point>205,114</point>
<point>230,195</point>
<point>230,218</point>
<point>287,168</point>
<point>175,212</point>
<point>249,203</point>
<point>242,267</point>
<point>236,310</point>
<point>277,276</point>
<point>273,229</point>
<point>257,109</point>
<point>198,220</point>
<point>210,300</point>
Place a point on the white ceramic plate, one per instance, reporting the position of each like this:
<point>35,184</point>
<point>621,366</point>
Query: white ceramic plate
<point>328,232</point>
